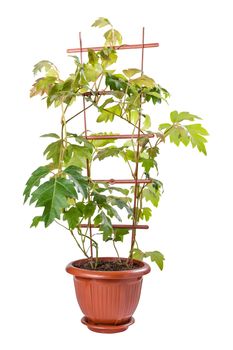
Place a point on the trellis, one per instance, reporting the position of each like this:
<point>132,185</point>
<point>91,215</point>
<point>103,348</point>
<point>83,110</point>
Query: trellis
<point>134,226</point>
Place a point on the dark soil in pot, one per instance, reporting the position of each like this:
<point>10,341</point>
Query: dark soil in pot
<point>117,265</point>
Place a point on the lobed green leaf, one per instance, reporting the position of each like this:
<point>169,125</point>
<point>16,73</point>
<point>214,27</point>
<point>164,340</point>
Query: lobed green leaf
<point>129,73</point>
<point>156,257</point>
<point>101,22</point>
<point>35,179</point>
<point>80,181</point>
<point>53,196</point>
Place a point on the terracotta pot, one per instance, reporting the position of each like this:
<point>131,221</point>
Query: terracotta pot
<point>108,299</point>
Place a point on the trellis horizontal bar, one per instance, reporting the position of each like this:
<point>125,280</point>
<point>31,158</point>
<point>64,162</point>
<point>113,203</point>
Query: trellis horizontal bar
<point>126,136</point>
<point>100,92</point>
<point>130,227</point>
<point>120,47</point>
<point>112,181</point>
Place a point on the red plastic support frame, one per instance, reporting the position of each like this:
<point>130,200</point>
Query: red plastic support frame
<point>116,137</point>
<point>130,227</point>
<point>125,181</point>
<point>119,47</point>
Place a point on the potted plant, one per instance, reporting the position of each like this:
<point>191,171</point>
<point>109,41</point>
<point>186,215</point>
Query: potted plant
<point>107,288</point>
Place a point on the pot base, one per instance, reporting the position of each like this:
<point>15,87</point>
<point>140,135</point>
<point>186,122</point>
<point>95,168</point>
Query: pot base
<point>104,328</point>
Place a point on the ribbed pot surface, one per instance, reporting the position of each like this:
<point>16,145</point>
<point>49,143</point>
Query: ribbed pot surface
<point>108,297</point>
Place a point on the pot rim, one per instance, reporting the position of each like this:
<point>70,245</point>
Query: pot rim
<point>143,269</point>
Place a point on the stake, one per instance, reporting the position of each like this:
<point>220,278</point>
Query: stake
<point>85,130</point>
<point>135,211</point>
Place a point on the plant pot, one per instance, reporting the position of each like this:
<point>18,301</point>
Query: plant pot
<point>108,299</point>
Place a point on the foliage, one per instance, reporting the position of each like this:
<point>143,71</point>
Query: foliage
<point>63,187</point>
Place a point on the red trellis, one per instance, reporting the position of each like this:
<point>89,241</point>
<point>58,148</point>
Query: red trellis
<point>139,135</point>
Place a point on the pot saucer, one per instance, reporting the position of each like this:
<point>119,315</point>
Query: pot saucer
<point>105,328</point>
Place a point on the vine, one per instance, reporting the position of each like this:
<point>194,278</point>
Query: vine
<point>61,188</point>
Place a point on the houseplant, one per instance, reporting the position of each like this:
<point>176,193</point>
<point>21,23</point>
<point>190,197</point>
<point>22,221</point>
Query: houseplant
<point>107,289</point>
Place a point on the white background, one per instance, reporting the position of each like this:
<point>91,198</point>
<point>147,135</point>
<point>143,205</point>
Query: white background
<point>189,304</point>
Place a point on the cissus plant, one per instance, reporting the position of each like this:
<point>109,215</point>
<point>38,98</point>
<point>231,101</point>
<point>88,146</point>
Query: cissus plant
<point>63,187</point>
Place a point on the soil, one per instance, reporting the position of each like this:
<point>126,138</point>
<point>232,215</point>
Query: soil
<point>108,265</point>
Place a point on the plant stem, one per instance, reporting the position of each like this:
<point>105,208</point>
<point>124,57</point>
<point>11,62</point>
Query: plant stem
<point>80,112</point>
<point>84,252</point>
<point>72,233</point>
<point>63,138</point>
<point>114,245</point>
<point>95,244</point>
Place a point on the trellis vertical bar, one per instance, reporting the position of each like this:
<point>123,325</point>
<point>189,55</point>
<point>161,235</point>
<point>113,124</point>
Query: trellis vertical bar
<point>136,187</point>
<point>85,131</point>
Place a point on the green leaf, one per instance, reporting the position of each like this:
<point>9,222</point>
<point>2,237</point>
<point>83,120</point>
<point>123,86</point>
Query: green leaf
<point>164,126</point>
<point>120,202</point>
<point>133,116</point>
<point>92,72</point>
<point>138,254</point>
<point>97,220</point>
<point>89,210</point>
<point>108,152</point>
<point>178,117</point>
<point>80,139</point>
<point>174,116</point>
<point>108,56</point>
<point>36,220</point>
<point>101,22</point>
<point>93,57</point>
<point>105,225</point>
<point>102,142</point>
<point>175,136</point>
<point>77,155</point>
<point>72,216</point>
<point>48,66</point>
<point>148,164</point>
<point>115,83</point>
<point>51,135</point>
<point>42,86</point>
<point>144,81</point>
<point>146,213</point>
<point>106,102</point>
<point>113,37</point>
<point>129,73</point>
<point>153,151</point>
<point>196,131</point>
<point>184,137</point>
<point>105,117</point>
<point>81,182</point>
<point>52,151</point>
<point>156,94</point>
<point>108,114</point>
<point>156,257</point>
<point>152,193</point>
<point>34,180</point>
<point>111,212</point>
<point>119,234</point>
<point>53,196</point>
<point>99,198</point>
<point>147,122</point>
<point>113,188</point>
<point>129,155</point>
